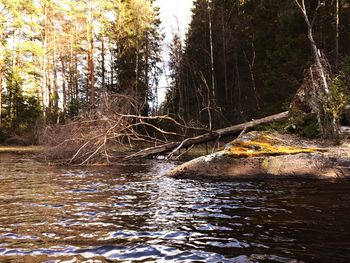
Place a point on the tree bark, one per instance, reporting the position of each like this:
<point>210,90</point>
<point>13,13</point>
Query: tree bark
<point>328,124</point>
<point>223,29</point>
<point>92,66</point>
<point>337,33</point>
<point>211,53</point>
<point>1,74</point>
<point>44,92</point>
<point>236,129</point>
<point>312,42</point>
<point>55,85</point>
<point>1,63</point>
<point>76,83</point>
<point>64,84</point>
<point>103,64</point>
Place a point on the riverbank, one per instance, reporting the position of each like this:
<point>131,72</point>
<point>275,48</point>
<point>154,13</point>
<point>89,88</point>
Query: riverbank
<point>270,154</point>
<point>33,149</point>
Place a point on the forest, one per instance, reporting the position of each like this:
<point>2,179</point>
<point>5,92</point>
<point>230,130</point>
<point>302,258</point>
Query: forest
<point>62,61</point>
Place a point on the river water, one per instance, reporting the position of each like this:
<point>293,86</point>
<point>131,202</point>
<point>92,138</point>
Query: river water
<point>130,213</point>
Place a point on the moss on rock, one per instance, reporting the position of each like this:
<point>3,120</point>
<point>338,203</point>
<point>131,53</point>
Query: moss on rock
<point>257,144</point>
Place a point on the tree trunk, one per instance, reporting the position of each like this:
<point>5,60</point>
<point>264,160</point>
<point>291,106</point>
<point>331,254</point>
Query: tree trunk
<point>237,83</point>
<point>76,84</point>
<point>211,54</point>
<point>251,71</point>
<point>55,85</point>
<point>111,84</point>
<point>64,91</point>
<point>135,93</point>
<point>224,57</point>
<point>1,74</point>
<point>103,64</point>
<point>44,92</point>
<point>312,42</point>
<point>71,73</point>
<point>328,124</point>
<point>1,64</point>
<point>236,129</point>
<point>337,33</point>
<point>92,65</point>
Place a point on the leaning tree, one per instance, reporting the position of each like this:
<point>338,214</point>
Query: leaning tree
<point>320,94</point>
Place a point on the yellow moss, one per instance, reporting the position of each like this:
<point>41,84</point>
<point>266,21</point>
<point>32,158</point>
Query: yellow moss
<point>262,145</point>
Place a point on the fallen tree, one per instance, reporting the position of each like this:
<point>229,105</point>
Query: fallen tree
<point>115,129</point>
<point>210,136</point>
<point>107,133</point>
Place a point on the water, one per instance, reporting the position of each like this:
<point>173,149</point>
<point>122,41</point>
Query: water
<point>130,213</point>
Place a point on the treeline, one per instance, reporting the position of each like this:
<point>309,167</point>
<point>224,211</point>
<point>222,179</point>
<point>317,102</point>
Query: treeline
<point>245,59</point>
<point>240,59</point>
<point>58,58</point>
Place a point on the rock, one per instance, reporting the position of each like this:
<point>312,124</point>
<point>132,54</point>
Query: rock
<point>264,154</point>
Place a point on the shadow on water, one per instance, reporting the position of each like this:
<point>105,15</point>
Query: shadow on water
<point>131,213</point>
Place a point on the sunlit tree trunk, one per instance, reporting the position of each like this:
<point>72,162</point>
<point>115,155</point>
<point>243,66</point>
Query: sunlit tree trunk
<point>44,65</point>
<point>11,91</point>
<point>55,85</point>
<point>76,73</point>
<point>1,63</point>
<point>1,76</point>
<point>103,64</point>
<point>147,86</point>
<point>64,89</point>
<point>91,60</point>
<point>88,74</point>
<point>71,72</point>
<point>111,82</point>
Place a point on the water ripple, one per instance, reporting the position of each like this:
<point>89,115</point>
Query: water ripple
<point>132,213</point>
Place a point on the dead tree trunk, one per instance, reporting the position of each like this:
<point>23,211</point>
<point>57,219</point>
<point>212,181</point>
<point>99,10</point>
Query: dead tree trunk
<point>328,125</point>
<point>310,35</point>
<point>236,129</point>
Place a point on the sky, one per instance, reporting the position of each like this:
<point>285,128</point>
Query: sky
<point>175,14</point>
<point>172,11</point>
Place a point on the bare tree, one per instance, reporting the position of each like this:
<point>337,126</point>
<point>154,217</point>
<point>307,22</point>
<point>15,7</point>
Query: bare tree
<point>320,77</point>
<point>310,35</point>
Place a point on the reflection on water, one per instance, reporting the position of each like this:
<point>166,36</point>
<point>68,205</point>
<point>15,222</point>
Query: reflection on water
<point>131,213</point>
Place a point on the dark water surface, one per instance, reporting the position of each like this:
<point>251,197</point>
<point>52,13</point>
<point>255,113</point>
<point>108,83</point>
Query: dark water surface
<point>130,213</point>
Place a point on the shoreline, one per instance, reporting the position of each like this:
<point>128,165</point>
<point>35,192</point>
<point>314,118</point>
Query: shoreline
<point>33,149</point>
<point>269,155</point>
